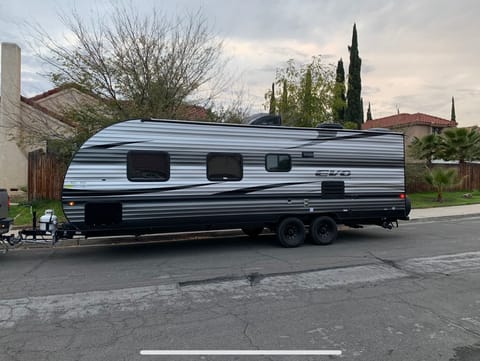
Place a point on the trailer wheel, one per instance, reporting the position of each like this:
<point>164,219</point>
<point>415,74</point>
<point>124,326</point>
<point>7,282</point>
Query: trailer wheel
<point>291,232</point>
<point>323,230</point>
<point>252,232</point>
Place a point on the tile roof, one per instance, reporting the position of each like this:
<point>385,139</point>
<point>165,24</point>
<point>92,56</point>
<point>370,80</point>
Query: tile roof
<point>405,119</point>
<point>58,90</point>
<point>185,111</point>
<point>33,104</point>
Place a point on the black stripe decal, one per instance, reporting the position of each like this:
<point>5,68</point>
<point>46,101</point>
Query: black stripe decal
<point>261,188</point>
<point>67,192</point>
<point>112,145</point>
<point>321,139</point>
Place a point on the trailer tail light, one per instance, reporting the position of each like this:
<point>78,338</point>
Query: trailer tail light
<point>403,196</point>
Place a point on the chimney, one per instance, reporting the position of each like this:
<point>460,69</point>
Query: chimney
<point>13,161</point>
<point>10,86</point>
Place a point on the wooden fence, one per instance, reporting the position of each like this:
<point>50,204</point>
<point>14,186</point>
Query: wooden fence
<point>469,173</point>
<point>45,176</point>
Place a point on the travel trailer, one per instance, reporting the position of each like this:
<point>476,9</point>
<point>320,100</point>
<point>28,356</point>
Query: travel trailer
<point>152,176</point>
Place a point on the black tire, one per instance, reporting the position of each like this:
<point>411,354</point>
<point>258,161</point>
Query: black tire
<point>323,230</point>
<point>253,231</point>
<point>291,232</point>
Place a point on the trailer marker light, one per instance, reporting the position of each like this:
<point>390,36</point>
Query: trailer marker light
<point>71,203</point>
<point>402,196</point>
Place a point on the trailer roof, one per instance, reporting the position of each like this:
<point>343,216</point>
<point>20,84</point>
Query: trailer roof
<point>374,130</point>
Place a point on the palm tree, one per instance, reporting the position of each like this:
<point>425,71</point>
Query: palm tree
<point>460,144</point>
<point>440,179</point>
<point>426,148</point>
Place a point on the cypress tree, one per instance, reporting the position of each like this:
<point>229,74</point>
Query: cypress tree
<point>273,103</point>
<point>354,111</point>
<point>307,99</point>
<point>453,117</point>
<point>362,118</point>
<point>339,98</point>
<point>369,112</point>
<point>284,100</point>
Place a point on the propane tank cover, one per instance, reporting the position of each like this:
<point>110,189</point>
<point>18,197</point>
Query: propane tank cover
<point>48,221</point>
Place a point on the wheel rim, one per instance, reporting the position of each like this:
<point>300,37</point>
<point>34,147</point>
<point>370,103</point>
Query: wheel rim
<point>291,233</point>
<point>324,232</point>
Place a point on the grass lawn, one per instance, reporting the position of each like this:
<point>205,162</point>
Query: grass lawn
<point>429,199</point>
<point>21,213</point>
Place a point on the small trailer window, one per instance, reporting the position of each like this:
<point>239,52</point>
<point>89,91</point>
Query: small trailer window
<point>148,166</point>
<point>278,162</point>
<point>224,167</point>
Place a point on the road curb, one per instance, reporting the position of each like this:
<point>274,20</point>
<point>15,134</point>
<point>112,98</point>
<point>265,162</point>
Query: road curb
<point>445,217</point>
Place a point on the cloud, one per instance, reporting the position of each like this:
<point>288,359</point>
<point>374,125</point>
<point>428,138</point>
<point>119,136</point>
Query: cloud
<point>416,55</point>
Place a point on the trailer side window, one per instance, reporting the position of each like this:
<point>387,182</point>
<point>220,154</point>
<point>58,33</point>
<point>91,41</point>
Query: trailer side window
<point>224,167</point>
<point>148,166</point>
<point>278,162</point>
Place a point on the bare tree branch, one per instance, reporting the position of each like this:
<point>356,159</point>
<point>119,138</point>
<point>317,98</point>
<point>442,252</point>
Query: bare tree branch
<point>145,66</point>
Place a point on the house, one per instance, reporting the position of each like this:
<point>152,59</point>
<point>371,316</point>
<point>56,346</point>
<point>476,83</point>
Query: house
<point>412,125</point>
<point>24,122</point>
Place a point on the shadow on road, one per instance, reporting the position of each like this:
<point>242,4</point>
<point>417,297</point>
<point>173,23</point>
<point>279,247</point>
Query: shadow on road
<point>152,246</point>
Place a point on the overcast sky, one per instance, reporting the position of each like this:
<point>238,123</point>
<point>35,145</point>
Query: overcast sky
<point>415,54</point>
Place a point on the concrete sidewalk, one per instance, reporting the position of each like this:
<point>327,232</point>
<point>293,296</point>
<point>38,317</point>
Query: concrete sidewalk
<point>438,212</point>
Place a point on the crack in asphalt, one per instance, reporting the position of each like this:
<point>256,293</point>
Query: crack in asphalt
<point>447,320</point>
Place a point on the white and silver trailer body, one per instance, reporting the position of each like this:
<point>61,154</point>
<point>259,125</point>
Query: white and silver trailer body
<point>148,176</point>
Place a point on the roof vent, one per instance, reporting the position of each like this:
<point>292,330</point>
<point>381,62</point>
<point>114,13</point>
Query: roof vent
<point>263,119</point>
<point>330,125</point>
<point>384,130</point>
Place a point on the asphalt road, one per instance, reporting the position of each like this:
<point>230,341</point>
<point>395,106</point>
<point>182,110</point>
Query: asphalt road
<point>411,293</point>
